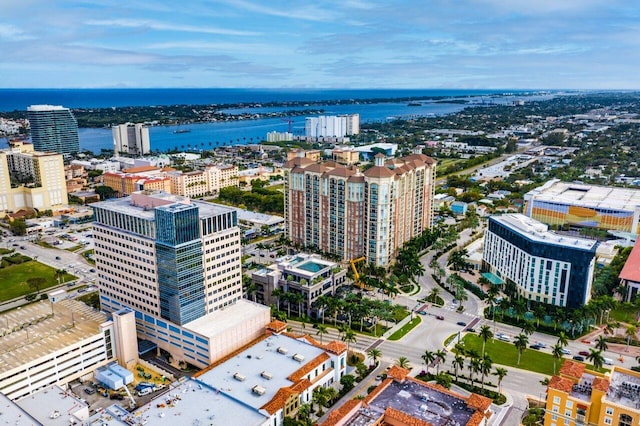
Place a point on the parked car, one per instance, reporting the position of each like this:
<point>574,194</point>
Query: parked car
<point>145,391</point>
<point>116,396</point>
<point>565,351</point>
<point>583,353</point>
<point>578,358</point>
<point>422,312</point>
<point>89,391</point>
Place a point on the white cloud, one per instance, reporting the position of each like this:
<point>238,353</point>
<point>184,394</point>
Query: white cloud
<point>9,32</point>
<point>164,26</point>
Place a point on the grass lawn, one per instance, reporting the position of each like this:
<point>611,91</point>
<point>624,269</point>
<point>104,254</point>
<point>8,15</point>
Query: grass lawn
<point>624,312</point>
<point>14,279</point>
<point>399,334</point>
<point>506,354</point>
<point>4,251</point>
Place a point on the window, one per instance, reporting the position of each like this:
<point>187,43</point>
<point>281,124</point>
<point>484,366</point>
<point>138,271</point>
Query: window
<point>569,404</point>
<point>625,420</point>
<point>609,411</point>
<point>556,400</point>
<point>607,420</point>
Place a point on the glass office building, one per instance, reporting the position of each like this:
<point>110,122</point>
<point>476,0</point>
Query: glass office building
<point>53,129</point>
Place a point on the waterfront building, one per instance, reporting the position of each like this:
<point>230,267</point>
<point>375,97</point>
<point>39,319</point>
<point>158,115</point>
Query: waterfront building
<point>350,214</point>
<point>131,139</point>
<point>53,129</point>
<point>98,164</point>
<point>279,136</point>
<point>47,343</point>
<point>580,205</point>
<point>578,396</point>
<point>176,263</point>
<point>302,274</point>
<point>402,400</point>
<point>332,126</point>
<point>38,179</point>
<point>544,266</point>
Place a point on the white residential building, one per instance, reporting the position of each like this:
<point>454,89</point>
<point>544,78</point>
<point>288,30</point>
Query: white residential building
<point>131,139</point>
<point>332,125</point>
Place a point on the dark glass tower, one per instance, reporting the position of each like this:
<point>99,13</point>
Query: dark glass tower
<point>53,129</point>
<point>180,269</point>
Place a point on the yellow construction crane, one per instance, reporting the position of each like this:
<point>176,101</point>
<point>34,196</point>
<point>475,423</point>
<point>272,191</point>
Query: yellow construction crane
<point>356,274</point>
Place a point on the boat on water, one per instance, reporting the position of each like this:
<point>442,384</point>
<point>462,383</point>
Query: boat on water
<point>178,131</point>
<point>414,104</point>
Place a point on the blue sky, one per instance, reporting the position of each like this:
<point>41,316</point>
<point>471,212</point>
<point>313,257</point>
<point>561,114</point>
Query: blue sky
<point>520,44</point>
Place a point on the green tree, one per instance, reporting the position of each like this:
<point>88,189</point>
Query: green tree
<point>349,337</point>
<point>36,283</point>
<point>596,358</point>
<point>563,340</point>
<point>458,363</point>
<point>348,382</point>
<point>500,373</point>
<point>521,341</point>
<point>485,334</point>
<point>428,357</point>
<point>485,367</point>
<point>403,362</point>
<point>601,343</point>
<point>375,355</point>
<point>322,330</point>
<point>105,192</point>
<point>441,356</point>
<point>556,352</point>
<point>630,332</point>
<point>444,380</point>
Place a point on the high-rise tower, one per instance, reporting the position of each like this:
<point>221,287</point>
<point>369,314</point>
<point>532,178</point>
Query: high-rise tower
<point>131,139</point>
<point>53,129</point>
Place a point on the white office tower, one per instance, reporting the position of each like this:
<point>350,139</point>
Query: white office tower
<point>332,126</point>
<point>131,139</point>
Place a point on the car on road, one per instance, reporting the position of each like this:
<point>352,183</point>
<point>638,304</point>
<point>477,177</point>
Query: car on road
<point>22,247</point>
<point>440,317</point>
<point>578,358</point>
<point>535,346</point>
<point>461,323</point>
<point>607,361</point>
<point>503,337</point>
<point>92,270</point>
<point>542,345</point>
<point>422,312</point>
<point>565,351</point>
<point>583,353</point>
<point>57,257</point>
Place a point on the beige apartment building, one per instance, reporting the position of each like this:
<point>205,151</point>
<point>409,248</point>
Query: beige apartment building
<point>350,213</point>
<point>31,179</point>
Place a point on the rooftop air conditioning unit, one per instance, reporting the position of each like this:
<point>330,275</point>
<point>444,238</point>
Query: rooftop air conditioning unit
<point>267,375</point>
<point>282,350</point>
<point>298,357</point>
<point>239,377</point>
<point>258,390</point>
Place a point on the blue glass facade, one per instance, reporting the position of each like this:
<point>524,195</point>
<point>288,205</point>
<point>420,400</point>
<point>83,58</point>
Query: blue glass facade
<point>53,130</point>
<point>180,268</point>
<point>579,258</point>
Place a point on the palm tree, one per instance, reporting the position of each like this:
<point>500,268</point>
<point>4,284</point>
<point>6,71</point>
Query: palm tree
<point>485,367</point>
<point>563,340</point>
<point>601,343</point>
<point>485,334</point>
<point>403,362</point>
<point>428,357</point>
<point>458,362</point>
<point>556,352</point>
<point>434,294</point>
<point>528,328</point>
<point>349,337</point>
<point>475,366</point>
<point>521,341</point>
<point>596,358</point>
<point>320,398</point>
<point>322,330</point>
<point>500,373</point>
<point>441,356</point>
<point>375,355</point>
<point>630,331</point>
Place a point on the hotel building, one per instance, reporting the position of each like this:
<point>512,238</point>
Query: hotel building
<point>544,266</point>
<point>53,129</point>
<point>176,263</point>
<point>577,396</point>
<point>340,210</point>
<point>131,139</point>
<point>566,203</point>
<point>39,179</point>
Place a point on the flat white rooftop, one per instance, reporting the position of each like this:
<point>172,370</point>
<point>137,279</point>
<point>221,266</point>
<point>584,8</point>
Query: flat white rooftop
<point>53,406</point>
<point>192,403</point>
<point>35,332</point>
<point>266,364</point>
<point>579,194</point>
<point>232,316</point>
<point>12,414</point>
<point>539,232</point>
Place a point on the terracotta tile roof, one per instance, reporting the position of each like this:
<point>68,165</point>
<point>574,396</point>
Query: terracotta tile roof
<point>601,384</point>
<point>340,414</point>
<point>301,385</point>
<point>140,169</point>
<point>308,367</point>
<point>398,373</point>
<point>479,402</point>
<point>277,326</point>
<point>476,419</point>
<point>278,401</point>
<point>336,347</point>
<point>572,369</point>
<point>404,418</point>
<point>631,269</point>
<point>561,383</point>
<point>297,161</point>
<point>379,172</point>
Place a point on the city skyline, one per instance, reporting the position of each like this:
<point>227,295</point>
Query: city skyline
<point>326,44</point>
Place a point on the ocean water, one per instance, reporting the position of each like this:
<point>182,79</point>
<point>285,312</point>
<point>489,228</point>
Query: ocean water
<point>210,135</point>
